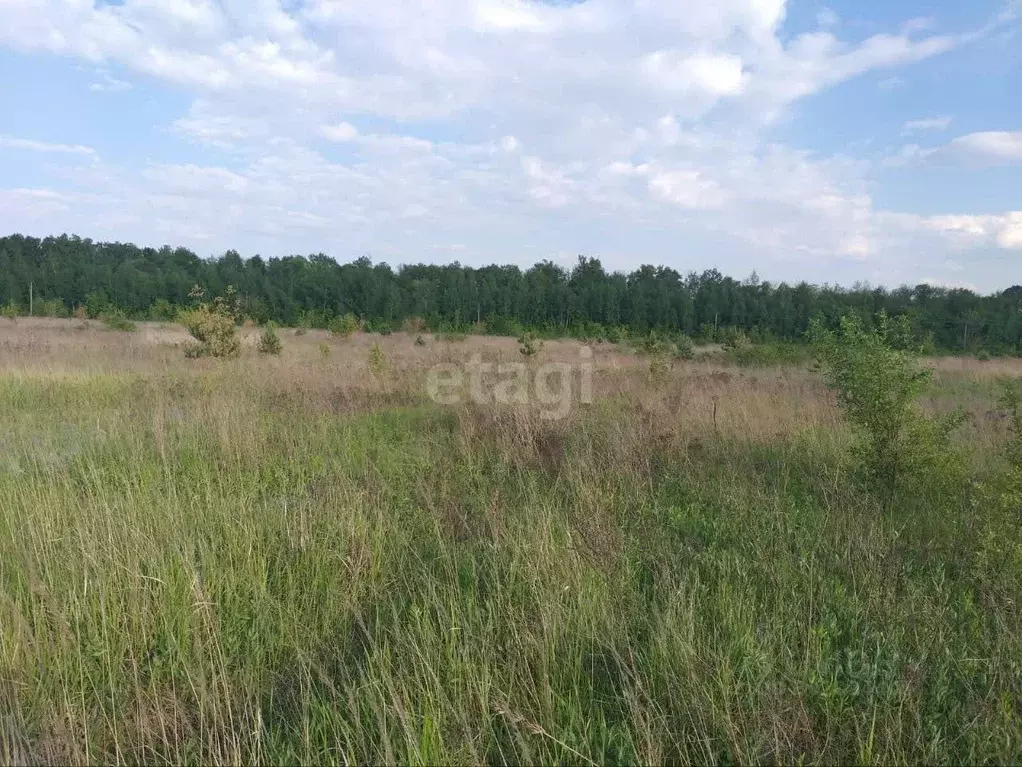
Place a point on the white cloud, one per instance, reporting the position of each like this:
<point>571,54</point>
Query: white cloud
<point>925,124</point>
<point>30,145</point>
<point>340,132</point>
<point>716,75</point>
<point>1003,230</point>
<point>991,145</point>
<point>505,126</point>
<point>687,189</point>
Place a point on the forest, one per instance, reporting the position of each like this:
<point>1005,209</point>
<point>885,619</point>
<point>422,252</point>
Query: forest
<point>54,276</point>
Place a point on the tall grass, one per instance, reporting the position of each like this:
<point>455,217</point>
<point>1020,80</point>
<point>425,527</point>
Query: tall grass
<point>201,566</point>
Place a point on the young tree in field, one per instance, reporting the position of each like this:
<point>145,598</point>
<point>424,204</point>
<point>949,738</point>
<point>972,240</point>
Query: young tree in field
<point>878,379</point>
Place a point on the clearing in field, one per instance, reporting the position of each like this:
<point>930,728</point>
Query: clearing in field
<point>304,558</point>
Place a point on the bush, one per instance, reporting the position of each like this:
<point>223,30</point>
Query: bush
<point>213,325</point>
<point>661,362</point>
<point>161,310</point>
<point>878,381</point>
<point>9,310</point>
<point>52,307</point>
<point>420,341</point>
<point>379,327</point>
<point>1011,404</point>
<point>413,325</point>
<point>269,341</point>
<point>734,339</point>
<point>615,334</point>
<point>96,304</point>
<point>450,336</point>
<point>377,360</point>
<point>684,348</point>
<point>344,326</point>
<point>528,346</point>
<point>115,319</point>
<point>770,353</point>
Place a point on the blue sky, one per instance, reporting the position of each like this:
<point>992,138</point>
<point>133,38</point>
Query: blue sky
<point>839,141</point>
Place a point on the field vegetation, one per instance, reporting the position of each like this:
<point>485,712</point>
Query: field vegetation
<point>296,556</point>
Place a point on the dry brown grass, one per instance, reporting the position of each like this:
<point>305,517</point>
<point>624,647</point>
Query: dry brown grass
<point>708,395</point>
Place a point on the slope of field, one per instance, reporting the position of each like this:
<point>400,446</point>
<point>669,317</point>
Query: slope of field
<point>305,559</point>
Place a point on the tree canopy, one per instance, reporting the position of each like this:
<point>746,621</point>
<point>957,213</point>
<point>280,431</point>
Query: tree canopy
<point>67,272</point>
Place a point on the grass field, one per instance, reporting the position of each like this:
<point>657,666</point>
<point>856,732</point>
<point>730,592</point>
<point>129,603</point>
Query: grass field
<point>303,559</point>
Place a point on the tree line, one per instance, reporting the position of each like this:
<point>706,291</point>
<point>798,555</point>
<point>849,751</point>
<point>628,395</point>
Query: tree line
<point>57,275</point>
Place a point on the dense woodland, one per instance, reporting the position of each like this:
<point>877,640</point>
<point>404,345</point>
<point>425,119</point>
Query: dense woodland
<point>67,272</point>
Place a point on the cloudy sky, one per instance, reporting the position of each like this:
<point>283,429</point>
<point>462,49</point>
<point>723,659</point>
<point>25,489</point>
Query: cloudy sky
<point>832,141</point>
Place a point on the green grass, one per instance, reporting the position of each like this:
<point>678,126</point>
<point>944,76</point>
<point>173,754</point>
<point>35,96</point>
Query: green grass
<point>192,571</point>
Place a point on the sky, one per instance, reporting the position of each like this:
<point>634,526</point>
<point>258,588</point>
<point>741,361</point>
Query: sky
<point>834,142</point>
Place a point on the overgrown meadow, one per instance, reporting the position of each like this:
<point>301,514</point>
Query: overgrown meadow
<point>295,556</point>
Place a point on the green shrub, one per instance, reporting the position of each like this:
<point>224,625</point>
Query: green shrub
<point>528,346</point>
<point>379,327</point>
<point>115,319</point>
<point>51,307</point>
<point>734,339</point>
<point>213,325</point>
<point>269,341</point>
<point>413,325</point>
<point>684,348</point>
<point>161,310</point>
<point>615,334</point>
<point>344,326</point>
<point>9,310</point>
<point>878,382</point>
<point>1011,404</point>
<point>377,360</point>
<point>96,304</point>
<point>768,353</point>
<point>661,363</point>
